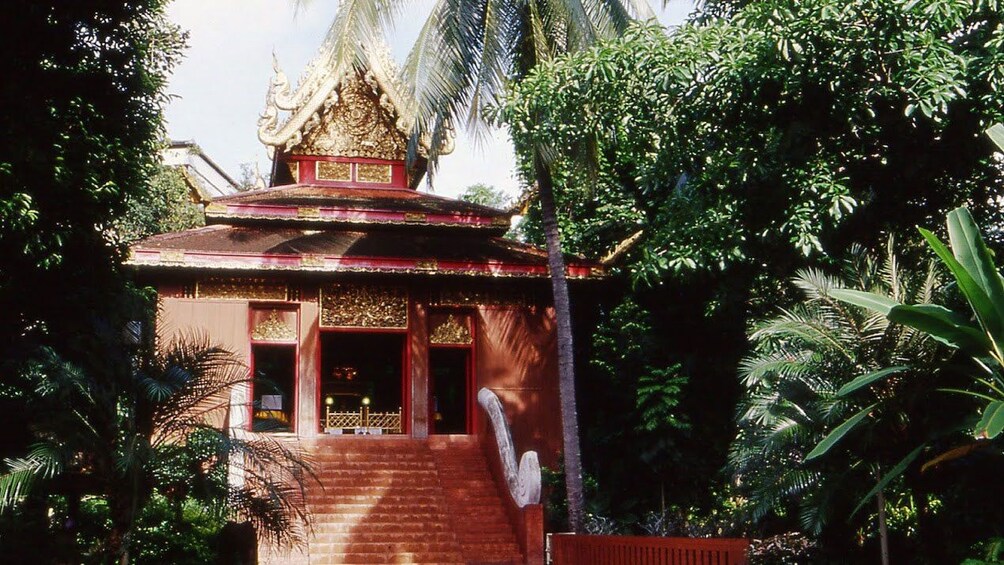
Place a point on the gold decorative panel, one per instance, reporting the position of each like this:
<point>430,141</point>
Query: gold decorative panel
<point>482,297</point>
<point>275,327</point>
<point>380,174</point>
<point>354,126</point>
<point>450,330</point>
<point>357,306</point>
<point>232,288</point>
<point>294,170</point>
<point>331,170</point>
<point>415,217</point>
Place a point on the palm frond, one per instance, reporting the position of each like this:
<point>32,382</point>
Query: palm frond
<point>43,461</point>
<point>357,24</point>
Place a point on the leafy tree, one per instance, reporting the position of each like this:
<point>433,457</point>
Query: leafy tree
<point>804,362</point>
<point>486,195</point>
<point>82,127</point>
<point>789,129</point>
<point>465,57</point>
<point>166,207</point>
<point>761,138</point>
<point>632,396</point>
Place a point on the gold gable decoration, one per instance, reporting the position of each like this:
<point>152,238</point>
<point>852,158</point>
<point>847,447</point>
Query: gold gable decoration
<point>452,331</point>
<point>357,306</point>
<point>356,125</point>
<point>273,329</point>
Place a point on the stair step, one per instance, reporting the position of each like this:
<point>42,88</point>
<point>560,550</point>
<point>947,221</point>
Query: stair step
<point>399,500</point>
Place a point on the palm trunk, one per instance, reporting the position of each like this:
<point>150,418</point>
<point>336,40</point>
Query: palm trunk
<point>566,363</point>
<point>883,528</point>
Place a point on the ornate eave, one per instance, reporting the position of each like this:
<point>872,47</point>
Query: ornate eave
<point>244,262</point>
<point>327,100</point>
<point>234,248</point>
<point>321,205</point>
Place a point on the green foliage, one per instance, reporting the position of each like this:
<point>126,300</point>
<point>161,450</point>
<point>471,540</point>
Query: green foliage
<point>166,206</point>
<point>762,138</point>
<point>486,195</point>
<point>160,438</point>
<point>82,128</point>
<point>804,400</point>
<point>161,535</point>
<point>980,336</point>
<point>992,553</point>
<point>624,353</point>
<point>788,129</point>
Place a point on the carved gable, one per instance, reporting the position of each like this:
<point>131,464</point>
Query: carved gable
<point>357,124</point>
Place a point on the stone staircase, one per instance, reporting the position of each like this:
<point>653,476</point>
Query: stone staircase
<point>397,500</point>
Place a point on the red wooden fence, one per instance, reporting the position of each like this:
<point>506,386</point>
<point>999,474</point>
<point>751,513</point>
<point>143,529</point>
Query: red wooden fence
<point>570,549</point>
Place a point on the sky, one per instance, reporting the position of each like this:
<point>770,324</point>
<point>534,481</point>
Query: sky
<point>218,90</point>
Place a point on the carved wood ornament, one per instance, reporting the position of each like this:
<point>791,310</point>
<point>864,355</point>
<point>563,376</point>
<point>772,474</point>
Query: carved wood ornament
<point>452,331</point>
<point>273,328</point>
<point>356,125</point>
<point>357,306</point>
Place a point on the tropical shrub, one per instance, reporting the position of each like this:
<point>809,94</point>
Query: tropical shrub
<point>158,441</point>
<point>802,362</point>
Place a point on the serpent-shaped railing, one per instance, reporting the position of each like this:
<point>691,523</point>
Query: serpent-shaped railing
<point>523,479</point>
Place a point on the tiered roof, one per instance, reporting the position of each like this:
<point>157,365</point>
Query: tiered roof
<point>346,200</point>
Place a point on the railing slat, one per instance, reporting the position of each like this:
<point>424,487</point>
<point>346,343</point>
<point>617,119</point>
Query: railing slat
<point>569,549</point>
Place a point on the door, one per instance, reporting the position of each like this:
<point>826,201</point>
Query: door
<point>450,390</point>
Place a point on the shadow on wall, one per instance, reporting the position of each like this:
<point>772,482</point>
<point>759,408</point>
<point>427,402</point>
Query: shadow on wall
<point>517,359</point>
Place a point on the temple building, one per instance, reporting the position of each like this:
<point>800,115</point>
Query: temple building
<point>371,315</point>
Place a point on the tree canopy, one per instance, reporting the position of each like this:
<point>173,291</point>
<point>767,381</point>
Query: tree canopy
<point>787,130</point>
<point>82,126</point>
<point>758,139</point>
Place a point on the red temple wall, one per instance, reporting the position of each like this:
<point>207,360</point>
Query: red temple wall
<point>226,322</point>
<point>515,355</point>
<point>517,358</point>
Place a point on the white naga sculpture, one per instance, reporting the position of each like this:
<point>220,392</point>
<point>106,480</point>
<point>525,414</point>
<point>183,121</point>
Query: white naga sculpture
<point>524,480</point>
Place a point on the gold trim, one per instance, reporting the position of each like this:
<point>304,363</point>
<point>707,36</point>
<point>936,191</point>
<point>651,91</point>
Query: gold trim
<point>308,212</point>
<point>312,261</point>
<point>452,332</point>
<point>354,125</point>
<point>349,219</point>
<point>376,174</point>
<point>472,297</point>
<point>172,256</point>
<point>427,265</point>
<point>357,306</point>
<point>216,208</point>
<point>273,329</point>
<point>333,171</point>
<point>233,288</point>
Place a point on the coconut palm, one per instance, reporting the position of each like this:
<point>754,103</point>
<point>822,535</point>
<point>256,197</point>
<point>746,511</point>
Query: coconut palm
<point>466,56</point>
<point>796,379</point>
<point>164,430</point>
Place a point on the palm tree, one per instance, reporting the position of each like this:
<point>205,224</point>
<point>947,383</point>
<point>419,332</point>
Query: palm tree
<point>466,56</point>
<point>164,430</point>
<point>801,361</point>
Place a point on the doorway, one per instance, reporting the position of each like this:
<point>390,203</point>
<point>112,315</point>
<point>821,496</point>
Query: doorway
<point>450,390</point>
<point>362,383</point>
<point>273,388</point>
